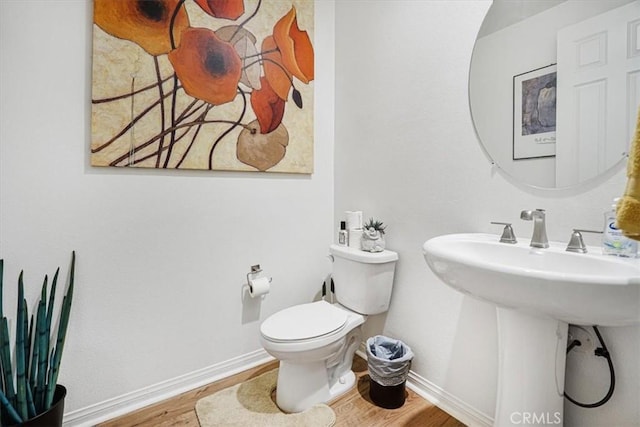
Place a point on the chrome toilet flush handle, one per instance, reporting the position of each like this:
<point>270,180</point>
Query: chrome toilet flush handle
<point>576,243</point>
<point>507,233</point>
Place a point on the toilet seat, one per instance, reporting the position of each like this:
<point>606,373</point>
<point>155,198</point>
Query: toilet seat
<point>304,322</point>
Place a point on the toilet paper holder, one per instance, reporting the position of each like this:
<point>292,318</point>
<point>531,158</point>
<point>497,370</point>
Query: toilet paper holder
<point>257,286</point>
<point>251,275</point>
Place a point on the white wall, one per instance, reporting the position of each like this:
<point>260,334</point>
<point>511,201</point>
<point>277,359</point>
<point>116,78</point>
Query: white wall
<point>161,256</point>
<point>406,153</point>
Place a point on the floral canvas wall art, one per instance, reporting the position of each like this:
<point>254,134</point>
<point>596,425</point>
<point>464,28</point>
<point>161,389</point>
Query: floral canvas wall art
<point>203,84</point>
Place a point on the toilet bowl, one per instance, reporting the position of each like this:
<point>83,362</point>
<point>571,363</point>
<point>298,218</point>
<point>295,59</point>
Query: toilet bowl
<point>315,342</point>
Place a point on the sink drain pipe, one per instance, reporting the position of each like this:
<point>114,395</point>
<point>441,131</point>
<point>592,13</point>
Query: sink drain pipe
<point>602,352</point>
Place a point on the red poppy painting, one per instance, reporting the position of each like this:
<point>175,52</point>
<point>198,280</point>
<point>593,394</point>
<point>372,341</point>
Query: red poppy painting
<point>203,84</point>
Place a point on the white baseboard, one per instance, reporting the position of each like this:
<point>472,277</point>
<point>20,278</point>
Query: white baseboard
<point>445,401</point>
<point>448,402</point>
<point>155,393</point>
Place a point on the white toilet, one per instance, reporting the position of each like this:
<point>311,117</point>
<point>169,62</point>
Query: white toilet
<point>315,342</point>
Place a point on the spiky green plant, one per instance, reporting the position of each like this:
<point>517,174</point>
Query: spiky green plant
<point>37,362</point>
<point>376,225</point>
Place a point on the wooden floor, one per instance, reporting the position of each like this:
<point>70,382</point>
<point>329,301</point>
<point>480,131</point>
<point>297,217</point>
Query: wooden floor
<point>354,408</point>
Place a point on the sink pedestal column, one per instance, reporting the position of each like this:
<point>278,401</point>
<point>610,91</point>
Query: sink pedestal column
<point>531,367</point>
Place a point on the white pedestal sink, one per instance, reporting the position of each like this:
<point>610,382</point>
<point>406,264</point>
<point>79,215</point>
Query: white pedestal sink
<point>538,292</point>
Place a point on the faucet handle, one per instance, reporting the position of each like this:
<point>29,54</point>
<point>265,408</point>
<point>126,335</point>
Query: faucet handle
<point>507,233</point>
<point>576,244</point>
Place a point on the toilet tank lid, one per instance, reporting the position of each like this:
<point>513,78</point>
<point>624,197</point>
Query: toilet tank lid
<point>363,256</point>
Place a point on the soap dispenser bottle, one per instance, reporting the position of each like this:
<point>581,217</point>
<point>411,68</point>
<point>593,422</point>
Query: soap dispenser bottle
<point>343,235</point>
<point>613,241</point>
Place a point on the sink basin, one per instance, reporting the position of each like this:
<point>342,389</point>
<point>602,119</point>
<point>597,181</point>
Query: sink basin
<point>584,289</point>
<point>537,293</point>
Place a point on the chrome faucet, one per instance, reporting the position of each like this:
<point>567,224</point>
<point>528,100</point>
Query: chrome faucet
<point>539,237</point>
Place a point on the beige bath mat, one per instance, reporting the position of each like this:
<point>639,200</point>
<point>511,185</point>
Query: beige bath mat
<point>250,404</point>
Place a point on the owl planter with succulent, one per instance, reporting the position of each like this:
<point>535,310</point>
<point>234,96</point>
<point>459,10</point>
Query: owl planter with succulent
<point>373,236</point>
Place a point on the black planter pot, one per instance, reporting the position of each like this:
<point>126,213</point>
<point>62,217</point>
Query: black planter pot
<point>52,417</point>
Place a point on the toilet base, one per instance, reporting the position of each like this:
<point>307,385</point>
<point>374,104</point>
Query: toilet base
<point>300,386</point>
<point>343,385</point>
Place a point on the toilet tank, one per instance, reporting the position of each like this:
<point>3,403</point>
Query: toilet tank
<point>363,280</point>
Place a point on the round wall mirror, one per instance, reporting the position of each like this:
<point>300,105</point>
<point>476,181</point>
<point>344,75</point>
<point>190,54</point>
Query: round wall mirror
<point>554,88</point>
